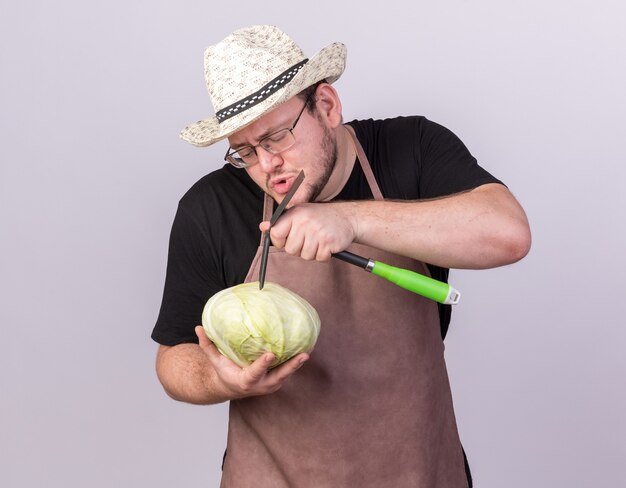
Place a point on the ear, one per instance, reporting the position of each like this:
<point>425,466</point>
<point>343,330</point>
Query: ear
<point>328,105</point>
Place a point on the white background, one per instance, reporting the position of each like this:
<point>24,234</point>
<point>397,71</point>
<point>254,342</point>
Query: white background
<point>92,97</point>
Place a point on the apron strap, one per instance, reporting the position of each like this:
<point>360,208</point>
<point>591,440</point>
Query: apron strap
<point>365,165</point>
<point>268,207</point>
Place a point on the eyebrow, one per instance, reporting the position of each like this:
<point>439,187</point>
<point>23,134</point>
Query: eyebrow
<point>268,132</point>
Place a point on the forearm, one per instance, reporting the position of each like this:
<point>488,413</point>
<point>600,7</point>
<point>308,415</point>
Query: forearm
<point>188,376</point>
<point>482,228</point>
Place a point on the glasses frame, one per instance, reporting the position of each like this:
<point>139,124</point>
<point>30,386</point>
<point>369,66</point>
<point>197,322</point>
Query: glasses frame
<point>240,163</point>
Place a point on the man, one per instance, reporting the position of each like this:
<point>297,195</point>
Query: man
<point>371,405</point>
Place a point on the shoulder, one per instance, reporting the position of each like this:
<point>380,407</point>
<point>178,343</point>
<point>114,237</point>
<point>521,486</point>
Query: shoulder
<point>225,183</point>
<point>221,193</point>
<point>401,126</point>
<point>407,134</point>
<point>414,157</point>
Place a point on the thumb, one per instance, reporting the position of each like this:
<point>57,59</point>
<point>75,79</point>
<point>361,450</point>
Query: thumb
<point>205,344</point>
<point>265,225</point>
<point>202,337</point>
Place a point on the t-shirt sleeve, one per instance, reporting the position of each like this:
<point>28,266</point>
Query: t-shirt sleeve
<point>414,158</point>
<point>191,278</point>
<point>446,166</point>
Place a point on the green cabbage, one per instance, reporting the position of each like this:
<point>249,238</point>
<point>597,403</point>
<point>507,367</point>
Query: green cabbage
<point>245,322</point>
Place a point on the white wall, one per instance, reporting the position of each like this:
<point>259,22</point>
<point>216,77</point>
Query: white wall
<point>92,96</point>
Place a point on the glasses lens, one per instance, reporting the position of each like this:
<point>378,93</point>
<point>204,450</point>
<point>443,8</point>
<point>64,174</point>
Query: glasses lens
<point>248,154</point>
<point>242,158</point>
<point>278,141</point>
<point>236,162</point>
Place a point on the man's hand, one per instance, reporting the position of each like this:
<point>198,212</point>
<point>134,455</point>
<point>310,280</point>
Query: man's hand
<point>256,379</point>
<point>314,230</point>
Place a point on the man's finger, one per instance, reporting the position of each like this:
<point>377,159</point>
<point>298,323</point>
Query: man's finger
<point>206,345</point>
<point>252,376</point>
<point>203,340</point>
<point>281,231</point>
<point>258,369</point>
<point>282,372</point>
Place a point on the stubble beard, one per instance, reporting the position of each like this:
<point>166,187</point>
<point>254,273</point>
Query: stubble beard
<point>329,151</point>
<point>328,162</point>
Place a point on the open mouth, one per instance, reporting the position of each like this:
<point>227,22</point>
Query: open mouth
<point>282,185</point>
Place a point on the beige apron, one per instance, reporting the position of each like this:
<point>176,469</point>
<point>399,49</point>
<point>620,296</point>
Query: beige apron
<point>372,407</point>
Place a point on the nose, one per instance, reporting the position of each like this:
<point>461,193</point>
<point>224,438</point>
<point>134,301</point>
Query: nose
<point>268,162</point>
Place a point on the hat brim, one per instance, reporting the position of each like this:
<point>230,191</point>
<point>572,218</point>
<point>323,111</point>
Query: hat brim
<point>328,64</point>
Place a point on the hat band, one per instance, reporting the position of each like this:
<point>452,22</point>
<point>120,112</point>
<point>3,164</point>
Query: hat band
<point>260,95</point>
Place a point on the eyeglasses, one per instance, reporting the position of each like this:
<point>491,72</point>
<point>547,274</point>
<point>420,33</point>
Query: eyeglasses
<point>277,142</point>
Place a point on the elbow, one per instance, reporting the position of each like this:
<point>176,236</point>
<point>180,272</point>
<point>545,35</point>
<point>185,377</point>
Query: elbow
<point>172,394</point>
<point>184,374</point>
<point>164,374</point>
<point>515,244</point>
<point>519,249</point>
<point>506,237</point>
<point>165,384</point>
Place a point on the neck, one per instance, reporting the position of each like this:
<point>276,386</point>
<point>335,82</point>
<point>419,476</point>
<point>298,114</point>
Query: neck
<point>346,155</point>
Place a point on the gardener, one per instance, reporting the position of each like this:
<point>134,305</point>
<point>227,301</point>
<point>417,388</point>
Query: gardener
<point>371,405</point>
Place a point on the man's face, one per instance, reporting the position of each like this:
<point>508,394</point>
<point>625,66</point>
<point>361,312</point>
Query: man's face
<point>315,152</point>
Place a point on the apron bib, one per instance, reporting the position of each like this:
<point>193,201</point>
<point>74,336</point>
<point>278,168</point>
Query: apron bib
<point>372,407</point>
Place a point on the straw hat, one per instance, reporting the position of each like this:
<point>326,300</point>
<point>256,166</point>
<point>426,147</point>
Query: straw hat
<point>251,72</point>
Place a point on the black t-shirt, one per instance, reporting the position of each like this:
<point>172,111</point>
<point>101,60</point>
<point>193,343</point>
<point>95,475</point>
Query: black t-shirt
<point>215,233</point>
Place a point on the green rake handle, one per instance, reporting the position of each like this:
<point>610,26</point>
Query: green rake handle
<point>409,280</point>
